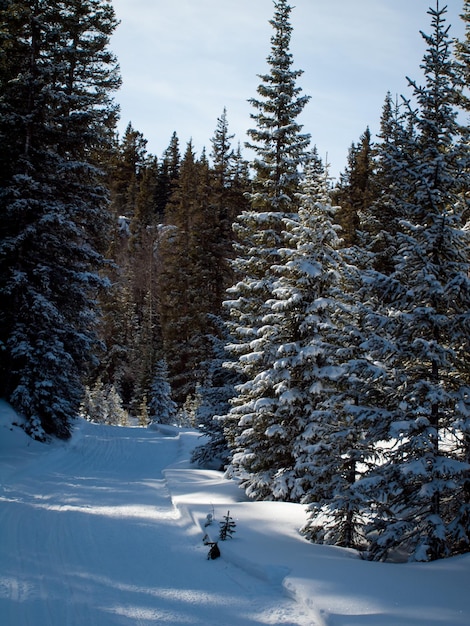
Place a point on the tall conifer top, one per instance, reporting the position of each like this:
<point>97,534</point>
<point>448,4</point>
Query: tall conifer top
<point>277,140</point>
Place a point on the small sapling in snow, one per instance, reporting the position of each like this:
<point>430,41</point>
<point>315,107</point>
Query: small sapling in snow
<point>227,527</point>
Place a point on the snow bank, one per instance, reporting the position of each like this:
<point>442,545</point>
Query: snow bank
<point>333,584</point>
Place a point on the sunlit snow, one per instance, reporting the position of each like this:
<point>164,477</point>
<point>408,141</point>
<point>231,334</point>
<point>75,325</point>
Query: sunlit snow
<point>107,529</point>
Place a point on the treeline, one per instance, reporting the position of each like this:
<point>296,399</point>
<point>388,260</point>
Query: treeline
<point>172,251</point>
<point>318,334</point>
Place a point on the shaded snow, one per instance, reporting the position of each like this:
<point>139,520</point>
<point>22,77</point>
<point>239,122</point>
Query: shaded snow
<point>107,530</point>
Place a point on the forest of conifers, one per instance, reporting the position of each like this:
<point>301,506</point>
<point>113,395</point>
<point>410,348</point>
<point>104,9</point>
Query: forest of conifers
<point>317,334</point>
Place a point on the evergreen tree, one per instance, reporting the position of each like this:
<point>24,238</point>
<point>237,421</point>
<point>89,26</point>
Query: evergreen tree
<point>228,185</point>
<point>161,409</point>
<point>337,445</point>
<point>144,215</point>
<point>168,176</point>
<point>214,395</point>
<point>355,190</point>
<point>280,150</point>
<point>380,219</point>
<point>277,141</point>
<point>284,426</point>
<point>422,330</point>
<point>227,528</point>
<point>222,152</point>
<point>127,166</point>
<point>56,119</point>
<point>462,53</point>
<point>102,404</point>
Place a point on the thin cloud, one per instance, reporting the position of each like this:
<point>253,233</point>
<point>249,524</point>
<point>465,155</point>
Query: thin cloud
<point>190,59</point>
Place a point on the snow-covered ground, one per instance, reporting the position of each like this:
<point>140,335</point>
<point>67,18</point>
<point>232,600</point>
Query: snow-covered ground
<point>107,529</point>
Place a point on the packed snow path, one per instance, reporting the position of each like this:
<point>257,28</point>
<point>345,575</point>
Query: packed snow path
<point>107,530</point>
<point>91,536</point>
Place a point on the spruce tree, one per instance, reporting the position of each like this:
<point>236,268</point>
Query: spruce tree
<point>286,395</point>
<point>355,190</point>
<point>278,143</point>
<point>127,166</point>
<point>57,119</point>
<point>422,329</point>
<point>168,176</point>
<point>161,408</point>
<point>228,185</point>
<point>214,394</point>
<point>380,217</point>
<point>227,528</point>
<point>280,149</point>
<point>337,445</point>
<point>462,53</point>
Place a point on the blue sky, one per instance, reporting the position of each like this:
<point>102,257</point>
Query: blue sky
<point>183,61</point>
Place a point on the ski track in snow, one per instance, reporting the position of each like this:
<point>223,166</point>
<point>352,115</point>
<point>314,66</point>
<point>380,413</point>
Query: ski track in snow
<point>91,536</point>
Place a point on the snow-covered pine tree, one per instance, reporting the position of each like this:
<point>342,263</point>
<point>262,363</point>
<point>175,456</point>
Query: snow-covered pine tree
<point>56,119</point>
<point>277,140</point>
<point>356,419</point>
<point>103,405</point>
<point>300,326</point>
<point>422,326</point>
<point>379,219</point>
<point>161,408</point>
<point>290,385</point>
<point>337,446</point>
<point>280,149</point>
<point>462,66</point>
<point>314,321</point>
<point>215,393</point>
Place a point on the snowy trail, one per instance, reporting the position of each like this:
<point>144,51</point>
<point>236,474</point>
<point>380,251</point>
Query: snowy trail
<point>106,530</point>
<point>90,535</point>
